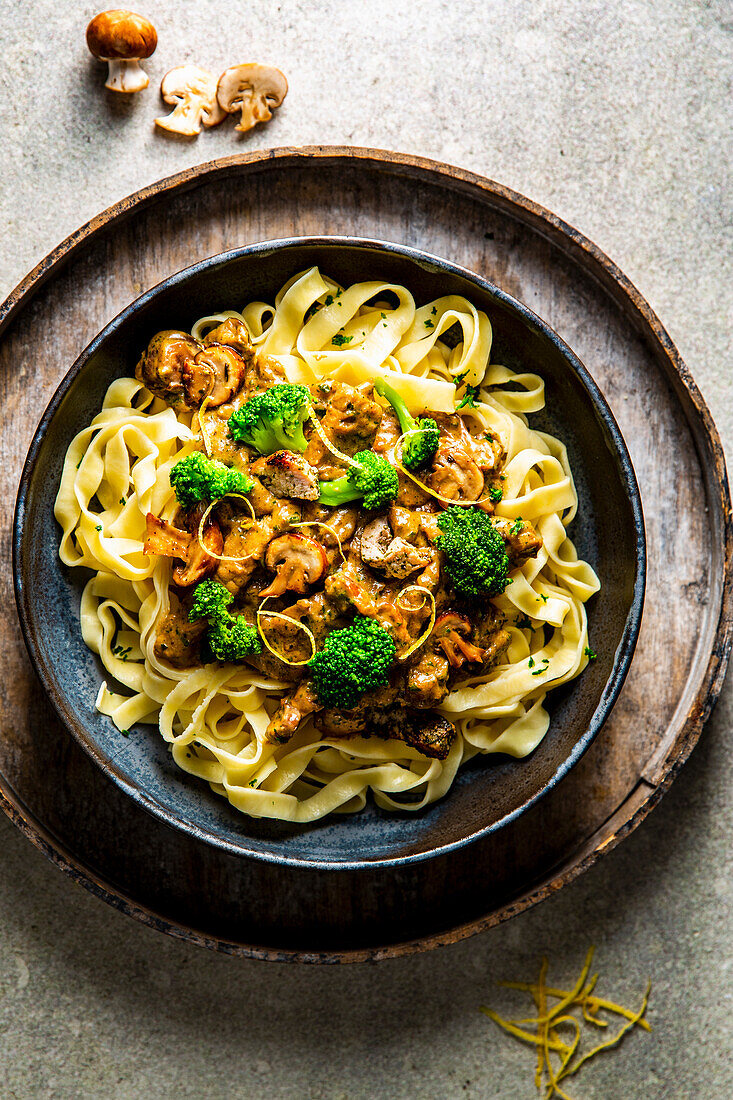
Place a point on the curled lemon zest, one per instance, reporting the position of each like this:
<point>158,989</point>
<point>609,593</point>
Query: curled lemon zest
<point>397,459</point>
<point>326,527</point>
<point>293,622</point>
<point>204,436</point>
<point>429,628</point>
<point>202,524</point>
<point>325,440</point>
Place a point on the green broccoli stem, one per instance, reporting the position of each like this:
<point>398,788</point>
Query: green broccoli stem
<point>407,422</point>
<point>340,491</point>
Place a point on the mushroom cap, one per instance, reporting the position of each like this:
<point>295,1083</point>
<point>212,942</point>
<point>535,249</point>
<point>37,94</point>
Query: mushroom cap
<point>259,80</point>
<point>298,560</point>
<point>120,35</point>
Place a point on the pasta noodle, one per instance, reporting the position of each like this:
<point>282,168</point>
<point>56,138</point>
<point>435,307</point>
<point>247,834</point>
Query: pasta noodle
<point>214,717</point>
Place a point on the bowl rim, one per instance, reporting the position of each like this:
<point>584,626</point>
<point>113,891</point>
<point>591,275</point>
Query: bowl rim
<point>624,651</point>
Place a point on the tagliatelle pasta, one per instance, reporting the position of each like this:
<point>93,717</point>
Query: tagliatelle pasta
<point>215,716</point>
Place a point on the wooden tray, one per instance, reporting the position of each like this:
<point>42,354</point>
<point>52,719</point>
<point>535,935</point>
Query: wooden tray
<point>95,833</point>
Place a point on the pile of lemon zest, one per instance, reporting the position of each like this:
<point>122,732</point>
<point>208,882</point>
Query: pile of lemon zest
<point>631,1021</point>
<point>546,1038</point>
<point>293,622</point>
<point>326,441</point>
<point>429,628</point>
<point>396,457</point>
<point>202,524</point>
<point>326,527</point>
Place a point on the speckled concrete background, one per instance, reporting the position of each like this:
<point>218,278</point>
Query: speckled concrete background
<point>616,115</point>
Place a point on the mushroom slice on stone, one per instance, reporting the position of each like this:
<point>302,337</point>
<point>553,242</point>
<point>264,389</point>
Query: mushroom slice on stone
<point>287,475</point>
<point>191,92</point>
<point>216,373</point>
<point>452,632</point>
<point>299,561</point>
<point>122,39</point>
<point>162,364</point>
<point>388,554</point>
<point>254,90</point>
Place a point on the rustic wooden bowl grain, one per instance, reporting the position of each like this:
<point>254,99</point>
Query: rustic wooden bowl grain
<point>609,532</point>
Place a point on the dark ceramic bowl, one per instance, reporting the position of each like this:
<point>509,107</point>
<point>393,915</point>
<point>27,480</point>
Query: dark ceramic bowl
<point>608,532</point>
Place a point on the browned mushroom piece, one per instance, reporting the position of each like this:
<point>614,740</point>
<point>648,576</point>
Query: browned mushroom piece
<point>214,374</point>
<point>122,39</point>
<point>235,334</point>
<point>430,734</point>
<point>452,633</point>
<point>287,475</point>
<point>161,366</point>
<point>394,556</point>
<point>254,90</point>
<point>191,91</point>
<point>455,474</point>
<point>167,541</point>
<point>297,560</point>
<point>291,712</point>
<point>522,540</point>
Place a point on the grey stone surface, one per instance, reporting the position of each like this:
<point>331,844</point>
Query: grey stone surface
<point>616,115</point>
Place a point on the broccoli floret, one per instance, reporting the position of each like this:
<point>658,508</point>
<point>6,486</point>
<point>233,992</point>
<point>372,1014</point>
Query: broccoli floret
<point>353,661</point>
<point>273,421</point>
<point>373,478</point>
<point>418,449</point>
<point>196,477</point>
<point>233,638</point>
<point>476,557</point>
<point>230,637</point>
<point>210,601</point>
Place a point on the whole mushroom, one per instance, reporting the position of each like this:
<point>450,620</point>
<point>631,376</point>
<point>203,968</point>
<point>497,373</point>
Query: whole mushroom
<point>122,39</point>
<point>192,93</point>
<point>254,90</point>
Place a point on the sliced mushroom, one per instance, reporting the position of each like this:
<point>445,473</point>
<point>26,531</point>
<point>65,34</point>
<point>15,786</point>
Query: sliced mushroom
<point>522,540</point>
<point>455,474</point>
<point>299,561</point>
<point>451,633</point>
<point>291,712</point>
<point>395,557</point>
<point>253,89</point>
<point>162,364</point>
<point>234,334</point>
<point>215,374</point>
<point>192,93</point>
<point>122,39</point>
<point>170,542</point>
<point>287,475</point>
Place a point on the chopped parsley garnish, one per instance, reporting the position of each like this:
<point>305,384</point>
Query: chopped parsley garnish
<point>383,316</point>
<point>340,340</point>
<point>434,310</point>
<point>495,494</point>
<point>589,653</point>
<point>531,662</point>
<point>524,622</point>
<point>517,526</point>
<point>469,398</point>
<point>459,378</point>
<point>543,668</point>
<point>428,323</point>
<point>98,527</point>
<point>544,598</point>
<point>328,301</point>
<point>123,502</point>
<point>125,733</point>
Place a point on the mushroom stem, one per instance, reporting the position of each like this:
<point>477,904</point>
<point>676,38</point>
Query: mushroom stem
<point>126,76</point>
